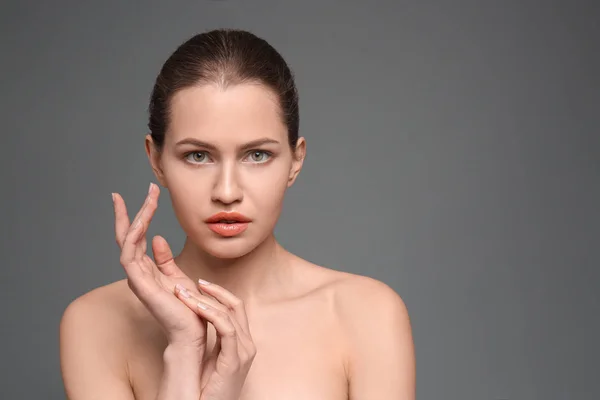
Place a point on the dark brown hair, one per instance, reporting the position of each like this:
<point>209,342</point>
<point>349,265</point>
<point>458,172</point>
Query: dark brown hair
<point>223,57</point>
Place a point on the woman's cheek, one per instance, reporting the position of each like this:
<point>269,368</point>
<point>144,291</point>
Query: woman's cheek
<point>270,199</point>
<point>190,201</point>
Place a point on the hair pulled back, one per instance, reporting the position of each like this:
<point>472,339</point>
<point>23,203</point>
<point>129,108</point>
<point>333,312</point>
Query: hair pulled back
<point>223,57</point>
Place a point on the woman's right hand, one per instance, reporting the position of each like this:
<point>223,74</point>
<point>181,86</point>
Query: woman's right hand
<point>154,283</point>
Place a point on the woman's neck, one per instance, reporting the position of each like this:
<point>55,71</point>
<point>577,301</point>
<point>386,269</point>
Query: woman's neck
<point>257,277</point>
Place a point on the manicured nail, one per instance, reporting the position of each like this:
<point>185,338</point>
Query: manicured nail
<point>150,188</point>
<point>182,291</point>
<point>203,282</point>
<point>202,306</point>
<point>113,197</point>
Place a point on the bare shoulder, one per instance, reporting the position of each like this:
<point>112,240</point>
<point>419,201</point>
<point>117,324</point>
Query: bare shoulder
<point>369,309</point>
<point>108,304</point>
<point>358,292</point>
<point>108,315</point>
<point>375,331</point>
<point>377,335</point>
<point>352,292</point>
<point>357,299</point>
<point>95,332</point>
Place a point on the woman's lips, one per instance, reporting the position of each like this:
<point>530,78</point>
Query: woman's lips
<point>228,223</point>
<point>228,229</point>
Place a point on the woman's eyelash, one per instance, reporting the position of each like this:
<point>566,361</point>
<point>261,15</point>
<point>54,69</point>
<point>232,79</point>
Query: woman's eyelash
<point>268,153</point>
<point>188,154</point>
<point>249,153</point>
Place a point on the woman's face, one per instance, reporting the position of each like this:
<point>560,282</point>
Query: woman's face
<point>226,150</point>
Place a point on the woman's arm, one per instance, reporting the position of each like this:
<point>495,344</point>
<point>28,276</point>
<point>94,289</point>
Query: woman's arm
<point>92,353</point>
<point>93,346</point>
<point>94,333</point>
<point>381,358</point>
<point>181,374</point>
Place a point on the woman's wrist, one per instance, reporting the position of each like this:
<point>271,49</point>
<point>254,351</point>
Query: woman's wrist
<point>181,373</point>
<point>177,351</point>
<point>178,357</point>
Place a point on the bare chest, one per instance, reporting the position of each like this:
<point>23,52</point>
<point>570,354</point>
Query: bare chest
<point>300,355</point>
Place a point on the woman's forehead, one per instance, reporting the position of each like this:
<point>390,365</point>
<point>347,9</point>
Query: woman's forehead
<point>243,112</point>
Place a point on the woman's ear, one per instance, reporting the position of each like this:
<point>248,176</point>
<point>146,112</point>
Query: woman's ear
<point>298,156</point>
<point>154,157</point>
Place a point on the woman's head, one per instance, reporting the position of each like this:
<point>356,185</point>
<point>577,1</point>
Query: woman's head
<point>223,58</point>
<point>224,136</point>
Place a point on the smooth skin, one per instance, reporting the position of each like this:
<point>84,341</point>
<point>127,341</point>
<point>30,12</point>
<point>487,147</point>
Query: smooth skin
<point>268,324</point>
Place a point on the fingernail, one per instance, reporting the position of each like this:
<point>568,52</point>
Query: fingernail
<point>150,188</point>
<point>182,291</point>
<point>113,197</point>
<point>203,282</point>
<point>202,306</point>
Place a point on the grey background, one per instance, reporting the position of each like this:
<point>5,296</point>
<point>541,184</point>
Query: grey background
<point>453,153</point>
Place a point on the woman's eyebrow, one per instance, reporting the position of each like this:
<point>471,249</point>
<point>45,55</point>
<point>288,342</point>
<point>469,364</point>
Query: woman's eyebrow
<point>246,146</point>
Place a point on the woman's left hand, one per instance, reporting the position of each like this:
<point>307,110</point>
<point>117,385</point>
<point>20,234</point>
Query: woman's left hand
<point>224,370</point>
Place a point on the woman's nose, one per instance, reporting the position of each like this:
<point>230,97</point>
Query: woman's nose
<point>227,188</point>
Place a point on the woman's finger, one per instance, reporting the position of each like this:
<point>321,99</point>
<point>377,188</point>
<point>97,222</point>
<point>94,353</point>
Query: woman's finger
<point>122,223</point>
<point>163,256</point>
<point>121,219</point>
<point>230,300</point>
<point>145,219</point>
<point>128,251</point>
<point>136,230</point>
<point>192,299</point>
<point>223,323</point>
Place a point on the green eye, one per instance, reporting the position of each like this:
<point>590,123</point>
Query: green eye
<point>196,157</point>
<point>259,156</point>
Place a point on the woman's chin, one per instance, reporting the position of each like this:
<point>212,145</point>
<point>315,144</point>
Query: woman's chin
<point>227,248</point>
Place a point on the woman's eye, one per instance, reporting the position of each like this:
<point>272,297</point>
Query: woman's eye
<point>201,157</point>
<point>196,157</point>
<point>259,156</point>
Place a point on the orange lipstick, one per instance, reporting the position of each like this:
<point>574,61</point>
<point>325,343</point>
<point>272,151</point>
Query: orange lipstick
<point>228,224</point>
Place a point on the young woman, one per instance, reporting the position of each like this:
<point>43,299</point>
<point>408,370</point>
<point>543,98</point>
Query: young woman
<point>233,315</point>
